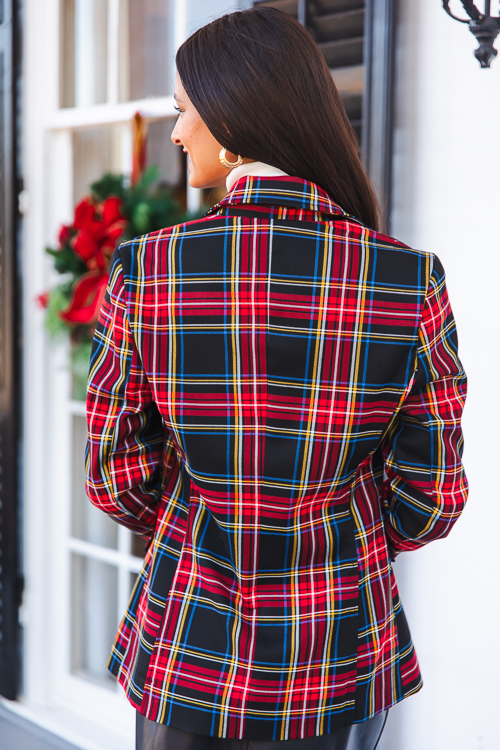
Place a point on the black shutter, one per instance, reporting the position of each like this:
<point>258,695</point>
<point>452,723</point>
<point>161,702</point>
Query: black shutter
<point>10,579</point>
<point>378,124</point>
<point>356,39</point>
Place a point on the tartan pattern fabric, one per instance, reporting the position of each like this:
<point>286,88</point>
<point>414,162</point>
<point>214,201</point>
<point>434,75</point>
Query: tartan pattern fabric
<point>274,402</point>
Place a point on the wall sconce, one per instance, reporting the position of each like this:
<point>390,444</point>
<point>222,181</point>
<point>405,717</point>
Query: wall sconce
<point>484,27</point>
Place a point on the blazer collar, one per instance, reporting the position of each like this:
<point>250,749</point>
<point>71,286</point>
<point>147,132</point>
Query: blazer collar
<point>279,191</point>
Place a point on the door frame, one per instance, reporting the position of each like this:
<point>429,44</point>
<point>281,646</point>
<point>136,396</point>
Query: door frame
<point>10,569</point>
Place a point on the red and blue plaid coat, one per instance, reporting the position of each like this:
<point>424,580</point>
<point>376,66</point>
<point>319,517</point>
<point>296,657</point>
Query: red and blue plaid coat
<point>274,402</point>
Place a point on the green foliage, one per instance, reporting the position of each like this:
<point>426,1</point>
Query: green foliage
<point>58,301</point>
<point>109,184</point>
<point>148,206</point>
<point>81,337</point>
<point>80,358</point>
<point>66,261</point>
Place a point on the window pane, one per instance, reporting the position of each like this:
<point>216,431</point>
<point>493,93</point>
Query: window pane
<point>150,48</point>
<point>137,546</point>
<point>95,151</point>
<point>133,581</point>
<point>84,48</point>
<point>67,54</point>
<point>94,617</point>
<point>87,522</point>
<point>161,151</point>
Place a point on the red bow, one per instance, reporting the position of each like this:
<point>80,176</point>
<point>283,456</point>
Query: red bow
<point>87,297</point>
<point>98,230</point>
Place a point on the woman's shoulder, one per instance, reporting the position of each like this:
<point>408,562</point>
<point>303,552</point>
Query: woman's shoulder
<point>381,239</point>
<point>157,243</point>
<point>385,245</point>
<point>166,234</point>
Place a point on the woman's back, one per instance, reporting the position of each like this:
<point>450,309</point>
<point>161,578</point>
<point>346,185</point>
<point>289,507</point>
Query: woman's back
<point>272,398</point>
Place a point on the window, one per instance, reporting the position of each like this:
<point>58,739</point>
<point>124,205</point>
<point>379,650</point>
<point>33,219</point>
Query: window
<point>150,49</point>
<point>112,52</point>
<point>84,47</point>
<point>116,50</point>
<point>105,561</point>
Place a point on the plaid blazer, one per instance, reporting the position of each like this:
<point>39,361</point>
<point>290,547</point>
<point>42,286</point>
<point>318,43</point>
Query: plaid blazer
<point>274,402</point>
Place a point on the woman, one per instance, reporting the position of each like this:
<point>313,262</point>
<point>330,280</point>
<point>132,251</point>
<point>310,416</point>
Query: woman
<point>274,403</point>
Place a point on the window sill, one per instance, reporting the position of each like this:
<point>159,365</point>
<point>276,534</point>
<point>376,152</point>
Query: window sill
<point>76,728</point>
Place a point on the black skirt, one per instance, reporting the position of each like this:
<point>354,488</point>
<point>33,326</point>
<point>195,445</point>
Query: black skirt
<point>364,736</point>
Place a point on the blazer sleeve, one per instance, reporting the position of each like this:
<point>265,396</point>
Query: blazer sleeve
<point>129,454</point>
<point>425,487</point>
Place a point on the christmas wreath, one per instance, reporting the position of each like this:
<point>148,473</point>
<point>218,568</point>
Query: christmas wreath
<point>112,213</point>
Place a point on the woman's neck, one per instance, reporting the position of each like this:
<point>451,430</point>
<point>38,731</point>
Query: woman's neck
<point>252,169</point>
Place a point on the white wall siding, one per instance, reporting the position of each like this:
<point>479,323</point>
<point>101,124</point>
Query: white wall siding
<point>447,200</point>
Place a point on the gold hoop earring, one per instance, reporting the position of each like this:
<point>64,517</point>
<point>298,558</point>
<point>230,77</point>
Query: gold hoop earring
<point>226,163</point>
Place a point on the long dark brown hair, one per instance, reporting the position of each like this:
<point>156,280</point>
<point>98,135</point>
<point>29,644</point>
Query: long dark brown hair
<point>264,91</point>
